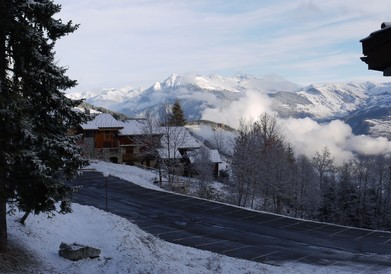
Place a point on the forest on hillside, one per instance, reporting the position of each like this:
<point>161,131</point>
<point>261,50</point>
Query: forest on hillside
<point>268,175</point>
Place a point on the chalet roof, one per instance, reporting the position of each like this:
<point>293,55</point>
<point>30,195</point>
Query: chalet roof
<point>171,153</point>
<point>214,155</point>
<point>132,127</point>
<point>179,138</point>
<point>103,121</point>
<point>137,127</point>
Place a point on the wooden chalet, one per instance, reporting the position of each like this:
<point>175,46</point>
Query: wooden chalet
<point>132,142</point>
<point>139,143</point>
<point>105,138</point>
<point>100,138</point>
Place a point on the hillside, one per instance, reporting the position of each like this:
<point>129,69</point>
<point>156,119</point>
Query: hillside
<point>125,247</point>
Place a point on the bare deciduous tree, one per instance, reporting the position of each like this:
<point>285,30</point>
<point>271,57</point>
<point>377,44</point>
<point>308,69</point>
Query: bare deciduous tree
<point>323,163</point>
<point>219,140</point>
<point>204,169</point>
<point>174,138</point>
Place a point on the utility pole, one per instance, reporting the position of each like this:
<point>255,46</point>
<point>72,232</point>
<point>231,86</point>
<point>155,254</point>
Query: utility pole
<point>106,175</point>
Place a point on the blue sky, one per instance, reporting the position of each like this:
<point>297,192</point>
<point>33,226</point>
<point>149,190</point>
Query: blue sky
<point>139,42</point>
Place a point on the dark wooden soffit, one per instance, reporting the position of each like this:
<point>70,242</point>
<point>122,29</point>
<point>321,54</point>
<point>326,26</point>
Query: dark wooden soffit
<point>377,49</point>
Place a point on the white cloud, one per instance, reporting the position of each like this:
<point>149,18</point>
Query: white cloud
<point>141,41</point>
<point>251,105</point>
<point>306,135</point>
<point>369,146</point>
<point>309,136</point>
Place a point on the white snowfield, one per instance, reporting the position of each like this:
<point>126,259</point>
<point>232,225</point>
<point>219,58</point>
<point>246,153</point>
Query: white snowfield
<point>125,247</point>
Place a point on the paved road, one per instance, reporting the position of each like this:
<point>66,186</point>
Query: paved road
<point>237,232</point>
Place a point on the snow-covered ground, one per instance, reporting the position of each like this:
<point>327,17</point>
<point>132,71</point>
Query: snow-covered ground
<point>132,174</point>
<point>125,247</point>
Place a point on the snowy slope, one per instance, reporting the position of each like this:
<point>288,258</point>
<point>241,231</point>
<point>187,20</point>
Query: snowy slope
<point>128,249</point>
<point>125,247</point>
<point>332,100</point>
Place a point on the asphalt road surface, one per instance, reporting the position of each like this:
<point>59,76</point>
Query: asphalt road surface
<point>237,232</point>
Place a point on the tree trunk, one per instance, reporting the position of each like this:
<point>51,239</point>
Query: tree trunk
<point>160,177</point>
<point>27,213</point>
<point>3,73</point>
<point>3,217</point>
<point>3,60</point>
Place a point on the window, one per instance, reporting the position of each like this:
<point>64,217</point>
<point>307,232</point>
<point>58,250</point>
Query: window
<point>107,135</point>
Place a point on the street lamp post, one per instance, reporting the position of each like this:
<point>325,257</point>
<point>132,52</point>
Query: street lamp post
<point>106,175</point>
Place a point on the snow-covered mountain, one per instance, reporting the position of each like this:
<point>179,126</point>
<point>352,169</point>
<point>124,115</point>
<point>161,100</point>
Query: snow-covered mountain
<point>107,98</point>
<point>322,101</point>
<point>270,82</point>
<point>366,106</point>
<point>196,93</point>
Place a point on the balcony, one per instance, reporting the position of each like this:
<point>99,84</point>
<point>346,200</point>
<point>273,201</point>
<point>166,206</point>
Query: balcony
<point>106,153</point>
<point>130,157</point>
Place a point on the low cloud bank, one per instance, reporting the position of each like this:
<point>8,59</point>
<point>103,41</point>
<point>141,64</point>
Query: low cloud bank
<point>306,135</point>
<point>251,105</point>
<point>309,136</point>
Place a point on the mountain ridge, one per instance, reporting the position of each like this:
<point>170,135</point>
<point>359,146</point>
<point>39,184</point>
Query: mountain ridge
<point>350,101</point>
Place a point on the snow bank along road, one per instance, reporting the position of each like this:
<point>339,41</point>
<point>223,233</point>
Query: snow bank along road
<point>234,231</point>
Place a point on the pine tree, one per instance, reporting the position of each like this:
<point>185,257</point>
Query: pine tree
<point>177,117</point>
<point>36,154</point>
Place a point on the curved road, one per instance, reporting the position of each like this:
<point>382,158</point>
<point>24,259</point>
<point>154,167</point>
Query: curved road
<point>237,232</point>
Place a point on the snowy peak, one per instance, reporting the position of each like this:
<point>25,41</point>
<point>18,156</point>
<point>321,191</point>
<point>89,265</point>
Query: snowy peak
<point>274,82</point>
<point>172,81</point>
<point>157,86</point>
<point>107,98</point>
<point>213,82</point>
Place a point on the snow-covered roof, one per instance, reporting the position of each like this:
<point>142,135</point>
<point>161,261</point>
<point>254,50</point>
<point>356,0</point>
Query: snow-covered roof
<point>175,138</point>
<point>132,127</point>
<point>214,155</point>
<point>179,137</point>
<point>137,127</point>
<point>102,121</point>
<point>171,153</point>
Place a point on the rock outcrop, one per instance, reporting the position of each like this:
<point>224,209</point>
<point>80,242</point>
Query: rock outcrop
<point>75,251</point>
